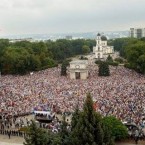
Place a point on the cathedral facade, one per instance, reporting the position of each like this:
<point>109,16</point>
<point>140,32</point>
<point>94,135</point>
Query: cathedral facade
<point>102,50</point>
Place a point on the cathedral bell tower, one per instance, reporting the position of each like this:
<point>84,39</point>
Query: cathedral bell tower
<point>99,46</point>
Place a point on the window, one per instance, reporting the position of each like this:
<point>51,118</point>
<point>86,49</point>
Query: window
<point>98,48</point>
<point>98,55</point>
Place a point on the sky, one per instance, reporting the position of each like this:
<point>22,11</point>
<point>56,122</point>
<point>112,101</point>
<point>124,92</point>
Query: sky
<point>67,16</point>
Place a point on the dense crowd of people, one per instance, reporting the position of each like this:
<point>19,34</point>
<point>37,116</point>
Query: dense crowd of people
<point>122,94</point>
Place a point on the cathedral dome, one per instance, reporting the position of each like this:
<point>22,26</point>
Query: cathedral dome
<point>98,34</point>
<point>103,38</point>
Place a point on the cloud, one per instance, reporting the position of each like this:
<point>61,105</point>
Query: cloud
<point>51,16</point>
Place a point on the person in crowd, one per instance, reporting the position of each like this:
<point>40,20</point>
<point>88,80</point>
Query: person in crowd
<point>121,95</point>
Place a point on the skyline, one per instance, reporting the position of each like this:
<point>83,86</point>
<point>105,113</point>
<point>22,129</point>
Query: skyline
<point>67,16</point>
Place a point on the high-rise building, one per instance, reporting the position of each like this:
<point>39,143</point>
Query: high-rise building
<point>137,32</point>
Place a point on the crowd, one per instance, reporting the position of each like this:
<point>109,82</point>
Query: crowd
<point>12,126</point>
<point>122,94</point>
<point>12,133</point>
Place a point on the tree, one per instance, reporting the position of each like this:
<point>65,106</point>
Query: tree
<point>75,117</point>
<point>120,44</point>
<point>86,49</point>
<point>36,135</point>
<point>83,58</point>
<point>23,57</point>
<point>135,56</point>
<point>4,43</point>
<point>55,139</point>
<point>133,50</point>
<point>104,69</point>
<point>108,138</point>
<point>64,68</point>
<point>64,132</point>
<point>115,127</point>
<point>119,60</point>
<point>109,59</point>
<point>88,129</point>
<point>141,64</point>
<point>34,63</point>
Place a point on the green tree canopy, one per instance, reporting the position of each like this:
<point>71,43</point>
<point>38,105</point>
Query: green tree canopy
<point>36,135</point>
<point>64,68</point>
<point>38,55</point>
<point>86,49</point>
<point>109,59</point>
<point>104,69</point>
<point>116,127</point>
<point>133,50</point>
<point>88,128</point>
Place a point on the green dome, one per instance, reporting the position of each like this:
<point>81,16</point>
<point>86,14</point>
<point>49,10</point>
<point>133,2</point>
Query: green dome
<point>103,38</point>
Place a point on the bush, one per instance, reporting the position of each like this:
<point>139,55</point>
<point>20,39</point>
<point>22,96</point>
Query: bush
<point>109,59</point>
<point>127,65</point>
<point>117,128</point>
<point>83,58</point>
<point>98,61</point>
<point>69,60</point>
<point>119,60</point>
<point>113,63</point>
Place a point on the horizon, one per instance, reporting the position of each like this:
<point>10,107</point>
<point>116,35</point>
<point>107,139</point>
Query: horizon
<point>64,33</point>
<point>74,35</point>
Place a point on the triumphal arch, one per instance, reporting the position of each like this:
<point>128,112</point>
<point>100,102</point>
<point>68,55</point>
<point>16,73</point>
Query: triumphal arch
<point>78,69</point>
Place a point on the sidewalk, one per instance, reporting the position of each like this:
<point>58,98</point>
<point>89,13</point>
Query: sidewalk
<point>128,144</point>
<point>14,140</point>
<point>139,143</point>
<point>4,143</point>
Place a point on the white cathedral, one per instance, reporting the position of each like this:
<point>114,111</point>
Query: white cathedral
<point>102,50</point>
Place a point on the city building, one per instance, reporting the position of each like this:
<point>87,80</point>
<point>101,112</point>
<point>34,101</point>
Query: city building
<point>21,39</point>
<point>137,32</point>
<point>78,69</point>
<point>69,37</point>
<point>102,50</point>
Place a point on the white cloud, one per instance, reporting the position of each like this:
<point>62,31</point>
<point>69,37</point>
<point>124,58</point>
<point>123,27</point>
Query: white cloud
<point>47,16</point>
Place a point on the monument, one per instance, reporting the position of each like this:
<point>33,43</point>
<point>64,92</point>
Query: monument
<point>78,69</point>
